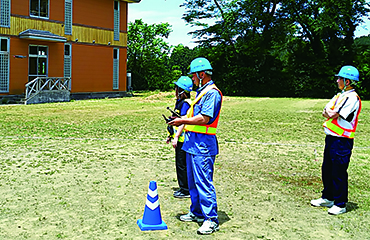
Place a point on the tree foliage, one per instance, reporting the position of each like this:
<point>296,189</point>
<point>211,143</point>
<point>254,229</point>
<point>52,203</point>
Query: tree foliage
<point>258,48</point>
<point>362,47</point>
<point>277,48</point>
<point>180,59</point>
<point>148,55</point>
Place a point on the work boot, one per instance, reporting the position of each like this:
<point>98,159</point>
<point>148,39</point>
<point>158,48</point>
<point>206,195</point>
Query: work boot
<point>322,202</point>
<point>190,217</point>
<point>181,194</point>
<point>335,210</point>
<point>208,227</point>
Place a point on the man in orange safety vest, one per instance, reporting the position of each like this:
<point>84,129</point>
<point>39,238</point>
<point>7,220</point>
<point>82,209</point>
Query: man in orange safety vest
<point>341,115</point>
<point>201,147</point>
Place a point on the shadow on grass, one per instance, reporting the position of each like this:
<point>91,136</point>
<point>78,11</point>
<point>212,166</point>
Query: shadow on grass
<point>222,217</point>
<point>351,206</point>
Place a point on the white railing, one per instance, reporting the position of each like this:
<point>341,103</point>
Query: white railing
<point>46,83</point>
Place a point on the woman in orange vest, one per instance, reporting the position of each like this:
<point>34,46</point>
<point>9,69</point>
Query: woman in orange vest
<point>201,147</point>
<point>342,117</point>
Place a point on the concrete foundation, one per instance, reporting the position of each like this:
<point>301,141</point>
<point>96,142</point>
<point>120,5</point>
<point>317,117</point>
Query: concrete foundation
<point>48,96</point>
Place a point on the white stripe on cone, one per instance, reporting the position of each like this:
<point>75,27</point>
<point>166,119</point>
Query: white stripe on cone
<point>152,193</point>
<point>151,205</point>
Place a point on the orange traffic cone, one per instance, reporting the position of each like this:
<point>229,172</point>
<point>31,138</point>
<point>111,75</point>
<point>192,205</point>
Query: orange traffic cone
<point>152,219</point>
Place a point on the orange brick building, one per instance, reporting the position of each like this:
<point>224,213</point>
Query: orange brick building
<point>85,40</point>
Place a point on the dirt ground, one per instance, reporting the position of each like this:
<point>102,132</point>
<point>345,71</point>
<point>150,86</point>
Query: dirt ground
<point>96,189</point>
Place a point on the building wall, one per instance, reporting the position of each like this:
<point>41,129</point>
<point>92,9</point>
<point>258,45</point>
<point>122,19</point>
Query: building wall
<point>92,63</point>
<point>56,58</point>
<point>20,7</point>
<point>93,13</point>
<point>96,75</point>
<point>18,66</point>
<point>124,16</point>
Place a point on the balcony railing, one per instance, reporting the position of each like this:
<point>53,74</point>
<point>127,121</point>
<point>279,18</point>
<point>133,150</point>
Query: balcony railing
<point>46,83</point>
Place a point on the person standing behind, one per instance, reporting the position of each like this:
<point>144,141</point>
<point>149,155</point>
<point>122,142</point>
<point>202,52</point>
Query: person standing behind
<point>201,147</point>
<point>342,117</point>
<point>183,88</point>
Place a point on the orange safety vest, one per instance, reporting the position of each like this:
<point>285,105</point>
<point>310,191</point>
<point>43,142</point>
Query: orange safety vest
<point>333,125</point>
<point>209,129</point>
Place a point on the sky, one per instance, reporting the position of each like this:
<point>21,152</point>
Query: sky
<point>161,11</point>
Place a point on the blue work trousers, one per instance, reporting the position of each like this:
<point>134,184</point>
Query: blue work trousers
<point>201,188</point>
<point>337,156</point>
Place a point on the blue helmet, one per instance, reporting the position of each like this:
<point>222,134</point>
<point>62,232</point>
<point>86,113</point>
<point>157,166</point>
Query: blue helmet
<point>200,64</point>
<point>185,83</point>
<point>349,72</point>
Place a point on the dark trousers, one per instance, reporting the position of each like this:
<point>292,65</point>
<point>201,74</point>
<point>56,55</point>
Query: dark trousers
<point>337,156</point>
<point>181,171</point>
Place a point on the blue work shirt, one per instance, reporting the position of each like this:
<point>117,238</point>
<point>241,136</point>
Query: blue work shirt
<point>199,143</point>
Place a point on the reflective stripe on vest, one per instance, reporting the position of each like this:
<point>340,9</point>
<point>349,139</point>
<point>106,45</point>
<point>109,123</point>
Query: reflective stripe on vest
<point>209,129</point>
<point>333,125</point>
<point>175,129</point>
<point>181,137</point>
<point>201,129</point>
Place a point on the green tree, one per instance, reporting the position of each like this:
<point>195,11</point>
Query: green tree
<point>241,44</point>
<point>322,42</point>
<point>181,56</point>
<point>362,62</point>
<point>277,48</point>
<point>148,55</point>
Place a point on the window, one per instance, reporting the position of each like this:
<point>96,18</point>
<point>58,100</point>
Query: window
<point>4,45</point>
<point>68,17</point>
<point>67,60</point>
<point>4,64</point>
<point>39,8</point>
<point>115,68</point>
<point>5,13</point>
<point>38,60</point>
<point>116,21</point>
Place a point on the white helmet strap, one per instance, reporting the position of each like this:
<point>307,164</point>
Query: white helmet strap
<point>200,80</point>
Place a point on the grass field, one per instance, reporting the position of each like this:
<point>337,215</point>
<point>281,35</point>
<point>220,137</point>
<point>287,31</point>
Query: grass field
<point>80,170</point>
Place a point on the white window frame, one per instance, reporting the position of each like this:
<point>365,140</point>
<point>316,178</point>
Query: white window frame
<point>116,21</point>
<point>68,13</point>
<point>5,13</point>
<point>38,16</point>
<point>38,57</point>
<point>4,66</point>
<point>115,69</point>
